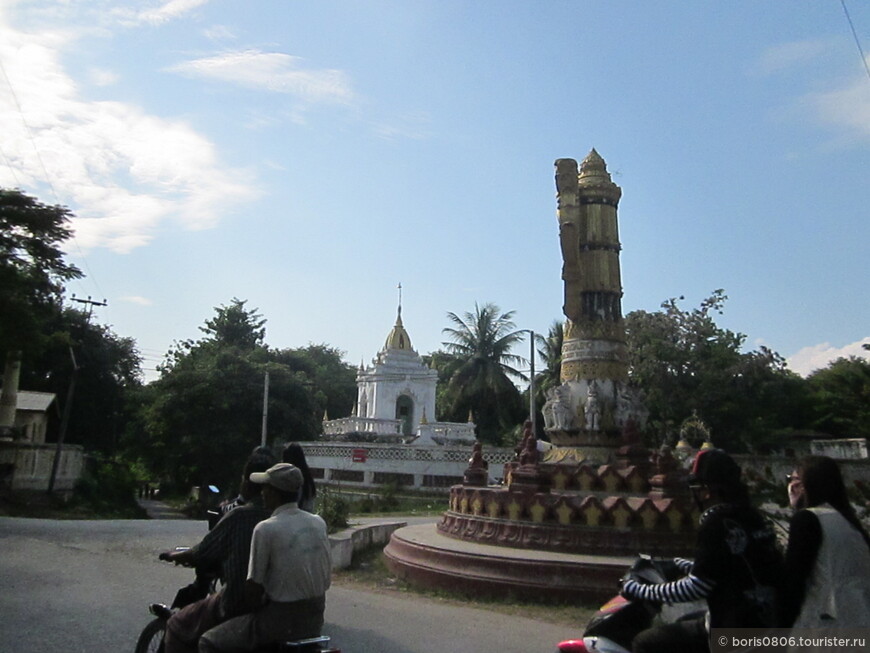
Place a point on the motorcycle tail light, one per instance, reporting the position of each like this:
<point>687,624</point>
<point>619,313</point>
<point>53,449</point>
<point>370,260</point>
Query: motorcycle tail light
<point>572,646</point>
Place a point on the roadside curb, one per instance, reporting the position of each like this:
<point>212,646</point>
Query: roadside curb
<point>358,538</point>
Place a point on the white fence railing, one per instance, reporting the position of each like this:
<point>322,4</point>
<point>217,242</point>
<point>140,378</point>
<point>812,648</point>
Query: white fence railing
<point>372,425</point>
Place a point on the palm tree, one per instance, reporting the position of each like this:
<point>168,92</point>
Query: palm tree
<point>481,344</point>
<point>550,351</point>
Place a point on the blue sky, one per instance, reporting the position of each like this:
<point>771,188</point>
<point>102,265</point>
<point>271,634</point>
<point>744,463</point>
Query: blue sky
<point>309,156</point>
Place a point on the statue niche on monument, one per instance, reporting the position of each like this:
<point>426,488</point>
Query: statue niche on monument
<point>630,406</point>
<point>592,409</point>
<point>558,412</point>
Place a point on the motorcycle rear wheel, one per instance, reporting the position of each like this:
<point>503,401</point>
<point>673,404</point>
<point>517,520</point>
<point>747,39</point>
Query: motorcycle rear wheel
<point>151,639</point>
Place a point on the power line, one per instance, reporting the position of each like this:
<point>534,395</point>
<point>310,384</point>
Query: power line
<point>857,40</point>
<point>47,176</point>
<point>29,132</point>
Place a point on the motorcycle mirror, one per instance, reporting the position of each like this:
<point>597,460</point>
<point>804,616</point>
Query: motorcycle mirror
<point>213,489</point>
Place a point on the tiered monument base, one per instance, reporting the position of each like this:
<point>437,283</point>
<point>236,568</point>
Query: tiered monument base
<point>426,558</point>
<point>570,541</point>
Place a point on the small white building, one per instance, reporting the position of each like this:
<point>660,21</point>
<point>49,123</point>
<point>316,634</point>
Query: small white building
<point>396,399</point>
<point>398,385</point>
<point>26,463</point>
<point>392,436</point>
<point>31,415</point>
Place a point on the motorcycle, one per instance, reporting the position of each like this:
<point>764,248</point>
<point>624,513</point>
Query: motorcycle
<point>205,583</point>
<point>617,622</point>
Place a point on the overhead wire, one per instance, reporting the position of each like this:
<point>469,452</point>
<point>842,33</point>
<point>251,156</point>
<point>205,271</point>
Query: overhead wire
<point>29,132</point>
<point>855,36</point>
<point>46,176</point>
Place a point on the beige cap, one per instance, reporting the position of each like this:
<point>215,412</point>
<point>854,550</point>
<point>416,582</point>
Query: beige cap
<point>283,476</point>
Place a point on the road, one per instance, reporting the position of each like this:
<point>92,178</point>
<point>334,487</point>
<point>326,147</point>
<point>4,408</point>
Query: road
<point>84,586</point>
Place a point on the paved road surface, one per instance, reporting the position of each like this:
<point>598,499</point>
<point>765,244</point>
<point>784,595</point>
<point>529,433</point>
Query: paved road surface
<point>70,586</point>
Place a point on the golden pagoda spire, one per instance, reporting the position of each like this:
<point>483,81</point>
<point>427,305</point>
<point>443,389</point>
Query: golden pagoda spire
<point>399,338</point>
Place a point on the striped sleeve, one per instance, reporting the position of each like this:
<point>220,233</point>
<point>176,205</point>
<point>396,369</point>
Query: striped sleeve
<point>689,588</point>
<point>683,564</point>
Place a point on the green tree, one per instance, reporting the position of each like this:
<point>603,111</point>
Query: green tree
<point>686,363</point>
<point>332,380</point>
<point>234,326</point>
<point>203,416</point>
<point>550,351</point>
<point>840,397</point>
<point>548,375</point>
<point>445,364</point>
<point>108,374</point>
<point>481,343</point>
<point>32,273</point>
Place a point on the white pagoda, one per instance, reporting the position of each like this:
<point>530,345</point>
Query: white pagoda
<point>396,399</point>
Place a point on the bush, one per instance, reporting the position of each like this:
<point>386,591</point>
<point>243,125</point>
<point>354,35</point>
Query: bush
<point>332,508</point>
<point>108,488</point>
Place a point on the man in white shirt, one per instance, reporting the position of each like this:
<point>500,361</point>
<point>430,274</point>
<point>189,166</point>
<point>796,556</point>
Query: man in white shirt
<point>288,572</point>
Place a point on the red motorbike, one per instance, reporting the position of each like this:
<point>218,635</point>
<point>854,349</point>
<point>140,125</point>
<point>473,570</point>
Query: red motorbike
<point>617,622</point>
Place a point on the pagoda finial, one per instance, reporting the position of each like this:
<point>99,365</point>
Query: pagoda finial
<point>594,166</point>
<point>398,338</point>
<point>399,316</point>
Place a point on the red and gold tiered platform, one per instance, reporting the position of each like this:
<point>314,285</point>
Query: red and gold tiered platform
<point>554,531</point>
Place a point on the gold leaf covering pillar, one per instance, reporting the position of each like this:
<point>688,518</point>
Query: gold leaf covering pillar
<point>590,406</point>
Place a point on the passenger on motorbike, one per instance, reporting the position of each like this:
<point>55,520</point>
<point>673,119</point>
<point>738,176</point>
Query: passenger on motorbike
<point>828,556</point>
<point>226,547</point>
<point>737,565</point>
<point>288,574</point>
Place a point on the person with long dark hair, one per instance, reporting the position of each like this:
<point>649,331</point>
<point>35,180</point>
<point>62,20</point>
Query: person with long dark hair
<point>827,580</point>
<point>294,455</point>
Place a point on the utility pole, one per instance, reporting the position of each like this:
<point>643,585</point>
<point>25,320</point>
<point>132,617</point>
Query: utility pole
<point>532,410</point>
<point>265,410</point>
<point>67,408</point>
<point>90,302</point>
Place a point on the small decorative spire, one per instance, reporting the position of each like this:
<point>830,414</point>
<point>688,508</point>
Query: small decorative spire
<point>398,337</point>
<point>594,166</point>
<point>595,179</point>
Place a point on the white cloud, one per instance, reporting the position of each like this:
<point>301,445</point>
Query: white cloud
<point>787,55</point>
<point>810,359</point>
<point>219,33</point>
<point>136,299</point>
<point>845,103</point>
<point>162,13</point>
<point>271,71</point>
<point>848,106</point>
<point>101,77</point>
<point>121,171</point>
<point>415,126</point>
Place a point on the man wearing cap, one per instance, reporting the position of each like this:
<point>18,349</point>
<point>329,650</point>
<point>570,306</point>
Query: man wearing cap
<point>227,547</point>
<point>737,565</point>
<point>288,572</point>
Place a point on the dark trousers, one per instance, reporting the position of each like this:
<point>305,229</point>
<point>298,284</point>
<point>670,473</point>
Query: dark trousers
<point>185,626</point>
<point>688,636</point>
<point>270,624</point>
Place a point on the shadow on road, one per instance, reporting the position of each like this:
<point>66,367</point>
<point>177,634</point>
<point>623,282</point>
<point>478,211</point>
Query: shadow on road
<point>358,639</point>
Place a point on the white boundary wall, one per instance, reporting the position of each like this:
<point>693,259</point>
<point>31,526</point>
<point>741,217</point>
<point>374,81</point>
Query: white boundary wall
<point>409,466</point>
<point>30,465</point>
